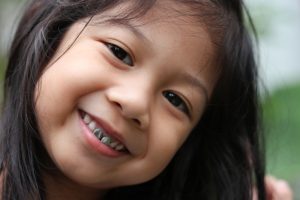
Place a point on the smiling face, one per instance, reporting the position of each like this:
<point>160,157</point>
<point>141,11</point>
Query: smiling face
<point>114,108</point>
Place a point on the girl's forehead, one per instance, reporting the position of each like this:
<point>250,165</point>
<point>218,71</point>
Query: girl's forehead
<point>166,12</point>
<point>168,32</point>
<point>204,17</point>
<point>165,16</point>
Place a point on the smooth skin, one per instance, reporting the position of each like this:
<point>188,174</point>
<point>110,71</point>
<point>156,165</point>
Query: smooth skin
<point>148,80</point>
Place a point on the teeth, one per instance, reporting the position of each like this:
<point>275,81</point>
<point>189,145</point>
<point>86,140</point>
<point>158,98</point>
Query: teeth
<point>119,147</point>
<point>106,140</point>
<point>113,144</point>
<point>100,134</point>
<point>92,125</point>
<point>87,119</point>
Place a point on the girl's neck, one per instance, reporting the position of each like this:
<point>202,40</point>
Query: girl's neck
<point>59,187</point>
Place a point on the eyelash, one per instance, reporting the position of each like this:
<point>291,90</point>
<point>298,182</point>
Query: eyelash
<point>176,101</point>
<point>120,54</point>
<point>172,97</point>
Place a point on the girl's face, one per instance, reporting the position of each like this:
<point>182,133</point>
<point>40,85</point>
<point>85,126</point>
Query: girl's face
<point>118,104</point>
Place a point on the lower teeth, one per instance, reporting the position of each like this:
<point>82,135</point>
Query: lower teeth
<point>105,140</point>
<point>97,132</point>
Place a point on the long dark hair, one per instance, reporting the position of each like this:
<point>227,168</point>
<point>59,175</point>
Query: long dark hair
<point>221,159</point>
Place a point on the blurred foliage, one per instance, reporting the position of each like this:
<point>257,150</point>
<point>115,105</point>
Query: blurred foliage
<point>282,125</point>
<point>263,16</point>
<point>2,70</point>
<point>2,67</point>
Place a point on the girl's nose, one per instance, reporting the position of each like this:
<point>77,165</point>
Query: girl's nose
<point>133,103</point>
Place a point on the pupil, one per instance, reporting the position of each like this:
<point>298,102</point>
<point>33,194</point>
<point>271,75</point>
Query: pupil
<point>120,53</point>
<point>174,100</point>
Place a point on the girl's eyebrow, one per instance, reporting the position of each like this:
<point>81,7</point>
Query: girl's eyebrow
<point>195,82</point>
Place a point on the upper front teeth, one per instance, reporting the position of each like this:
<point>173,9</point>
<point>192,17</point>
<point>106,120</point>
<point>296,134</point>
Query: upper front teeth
<point>101,135</point>
<point>87,119</point>
<point>92,125</point>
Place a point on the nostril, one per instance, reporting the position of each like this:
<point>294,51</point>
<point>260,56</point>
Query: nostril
<point>138,122</point>
<point>118,105</point>
<point>135,120</point>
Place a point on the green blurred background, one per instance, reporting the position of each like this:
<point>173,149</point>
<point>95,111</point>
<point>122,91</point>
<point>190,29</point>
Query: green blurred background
<point>278,28</point>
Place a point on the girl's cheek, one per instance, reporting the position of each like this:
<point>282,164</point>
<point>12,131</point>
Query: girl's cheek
<point>63,83</point>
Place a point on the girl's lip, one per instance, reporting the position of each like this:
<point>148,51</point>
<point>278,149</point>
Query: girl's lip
<point>94,141</point>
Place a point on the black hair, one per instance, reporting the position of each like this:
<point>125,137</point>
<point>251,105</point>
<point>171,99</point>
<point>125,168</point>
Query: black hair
<point>223,158</point>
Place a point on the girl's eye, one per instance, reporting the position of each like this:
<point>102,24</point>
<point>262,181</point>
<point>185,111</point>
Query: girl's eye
<point>176,101</point>
<point>120,53</point>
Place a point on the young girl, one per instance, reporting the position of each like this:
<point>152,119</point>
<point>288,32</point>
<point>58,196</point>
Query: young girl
<point>131,100</point>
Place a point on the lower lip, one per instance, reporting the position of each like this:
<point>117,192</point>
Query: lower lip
<point>96,145</point>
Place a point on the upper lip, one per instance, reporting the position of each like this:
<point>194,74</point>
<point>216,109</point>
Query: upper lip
<point>107,128</point>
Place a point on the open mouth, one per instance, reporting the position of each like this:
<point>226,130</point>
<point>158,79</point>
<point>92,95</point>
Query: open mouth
<point>103,135</point>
